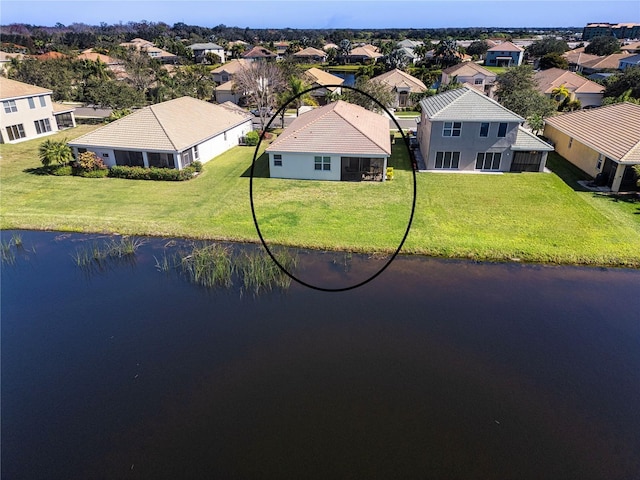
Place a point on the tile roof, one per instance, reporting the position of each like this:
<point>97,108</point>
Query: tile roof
<point>310,52</point>
<point>365,52</point>
<point>466,104</point>
<point>611,130</point>
<point>205,46</point>
<point>526,141</point>
<point>397,78</point>
<point>579,57</point>
<point>468,69</point>
<point>259,52</point>
<point>610,61</point>
<point>167,126</point>
<point>14,89</point>
<point>7,57</point>
<point>552,78</point>
<point>59,108</point>
<point>506,47</point>
<point>338,127</point>
<point>94,57</point>
<point>320,77</point>
<point>232,66</point>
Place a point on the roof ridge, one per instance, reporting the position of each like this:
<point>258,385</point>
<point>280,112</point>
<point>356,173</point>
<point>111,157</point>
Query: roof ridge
<point>354,126</point>
<point>155,115</point>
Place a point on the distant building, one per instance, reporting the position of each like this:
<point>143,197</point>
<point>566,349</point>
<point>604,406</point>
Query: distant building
<point>150,49</point>
<point>618,30</point>
<point>505,54</point>
<point>200,51</point>
<point>28,112</point>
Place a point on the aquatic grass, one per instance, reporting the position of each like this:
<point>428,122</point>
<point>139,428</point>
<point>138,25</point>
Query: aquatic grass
<point>96,255</point>
<point>260,272</point>
<point>16,239</point>
<point>7,254</point>
<point>209,265</point>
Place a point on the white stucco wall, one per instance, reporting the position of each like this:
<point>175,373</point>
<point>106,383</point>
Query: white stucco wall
<point>302,166</point>
<point>223,142</point>
<point>26,116</point>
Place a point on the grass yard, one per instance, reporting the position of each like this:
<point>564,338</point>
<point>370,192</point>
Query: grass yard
<point>529,216</point>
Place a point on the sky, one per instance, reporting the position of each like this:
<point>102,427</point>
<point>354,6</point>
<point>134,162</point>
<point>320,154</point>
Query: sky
<point>325,13</point>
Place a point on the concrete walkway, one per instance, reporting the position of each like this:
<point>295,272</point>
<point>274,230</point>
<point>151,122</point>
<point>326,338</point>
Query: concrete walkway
<point>422,166</point>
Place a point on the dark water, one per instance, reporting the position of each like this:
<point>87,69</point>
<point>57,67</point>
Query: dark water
<point>434,370</point>
<point>349,77</point>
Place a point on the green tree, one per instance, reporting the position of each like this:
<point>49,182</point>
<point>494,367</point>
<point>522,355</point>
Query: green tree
<point>560,93</point>
<point>553,60</point>
<point>602,46</point>
<point>52,151</point>
<point>621,82</point>
<point>536,122</point>
<point>447,53</point>
<point>396,59</point>
<point>545,46</point>
<point>478,48</point>
<point>295,87</point>
<point>517,92</point>
<point>373,88</point>
<point>113,94</point>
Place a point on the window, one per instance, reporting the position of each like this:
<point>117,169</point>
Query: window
<point>484,129</point>
<point>129,158</point>
<point>277,160</point>
<point>502,130</point>
<point>9,106</point>
<point>488,161</point>
<point>447,159</point>
<point>32,104</point>
<point>452,129</point>
<point>225,136</point>
<point>43,101</point>
<point>187,158</point>
<point>42,126</point>
<point>570,142</point>
<point>162,160</point>
<point>599,162</point>
<point>477,81</point>
<point>196,153</point>
<point>15,132</point>
<point>322,163</point>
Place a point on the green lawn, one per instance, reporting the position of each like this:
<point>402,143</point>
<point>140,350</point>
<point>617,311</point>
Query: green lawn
<point>529,216</point>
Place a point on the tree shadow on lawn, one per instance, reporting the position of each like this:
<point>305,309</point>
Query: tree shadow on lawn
<point>261,168</point>
<point>631,197</point>
<point>568,173</point>
<point>41,170</point>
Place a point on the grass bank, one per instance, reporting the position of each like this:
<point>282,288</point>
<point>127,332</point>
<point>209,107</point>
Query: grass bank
<point>531,217</point>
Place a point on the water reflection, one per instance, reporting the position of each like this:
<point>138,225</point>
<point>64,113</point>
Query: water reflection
<point>436,369</point>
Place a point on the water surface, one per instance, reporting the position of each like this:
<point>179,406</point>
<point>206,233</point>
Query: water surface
<point>435,369</point>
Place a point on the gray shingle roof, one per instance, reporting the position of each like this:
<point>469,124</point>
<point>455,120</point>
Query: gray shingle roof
<point>526,141</point>
<point>169,126</point>
<point>338,127</point>
<point>466,104</point>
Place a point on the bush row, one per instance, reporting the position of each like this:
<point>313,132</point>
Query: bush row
<point>132,173</point>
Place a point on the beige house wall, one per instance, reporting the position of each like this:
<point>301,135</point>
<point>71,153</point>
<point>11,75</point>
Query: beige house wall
<point>582,156</point>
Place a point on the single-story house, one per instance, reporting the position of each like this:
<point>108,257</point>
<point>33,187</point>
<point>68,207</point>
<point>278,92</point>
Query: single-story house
<point>319,78</point>
<point>228,92</point>
<point>364,54</point>
<point>471,73</point>
<point>505,54</point>
<point>464,130</point>
<point>576,58</point>
<point>603,140</point>
<point>28,112</point>
<point>200,51</point>
<point>311,55</point>
<point>629,61</point>
<point>402,85</point>
<point>633,47</point>
<point>587,92</point>
<point>170,134</point>
<point>340,141</point>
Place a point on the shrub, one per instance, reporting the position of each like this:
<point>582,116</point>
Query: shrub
<point>52,151</point>
<point>197,165</point>
<point>88,161</point>
<point>252,138</point>
<point>101,173</point>
<point>153,173</point>
<point>62,170</point>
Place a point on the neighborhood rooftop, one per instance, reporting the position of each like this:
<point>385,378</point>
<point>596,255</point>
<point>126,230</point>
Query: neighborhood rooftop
<point>467,103</point>
<point>14,89</point>
<point>169,126</point>
<point>337,127</point>
<point>612,129</point>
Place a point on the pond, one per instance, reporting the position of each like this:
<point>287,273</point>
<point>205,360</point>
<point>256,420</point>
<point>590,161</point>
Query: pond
<point>434,369</point>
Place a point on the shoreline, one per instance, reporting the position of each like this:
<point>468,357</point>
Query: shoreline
<point>472,257</point>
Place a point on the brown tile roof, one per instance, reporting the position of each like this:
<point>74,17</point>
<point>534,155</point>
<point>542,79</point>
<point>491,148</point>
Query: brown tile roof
<point>13,89</point>
<point>259,52</point>
<point>310,52</point>
<point>631,47</point>
<point>94,57</point>
<point>50,56</point>
<point>397,78</point>
<point>578,57</point>
<point>365,52</point>
<point>338,127</point>
<point>468,69</point>
<point>554,77</point>
<point>507,47</point>
<point>610,61</point>
<point>232,66</point>
<point>59,108</point>
<point>169,126</point>
<point>611,130</point>
<point>320,77</point>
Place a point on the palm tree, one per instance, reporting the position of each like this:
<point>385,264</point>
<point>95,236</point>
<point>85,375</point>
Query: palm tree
<point>447,51</point>
<point>295,88</point>
<point>51,151</point>
<point>560,93</point>
<point>397,59</point>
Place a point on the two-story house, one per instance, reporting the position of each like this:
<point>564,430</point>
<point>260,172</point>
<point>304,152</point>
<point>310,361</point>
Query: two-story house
<point>464,130</point>
<point>200,51</point>
<point>28,112</point>
<point>505,54</point>
<point>472,74</point>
